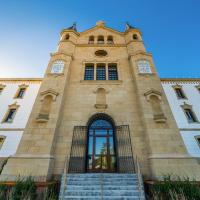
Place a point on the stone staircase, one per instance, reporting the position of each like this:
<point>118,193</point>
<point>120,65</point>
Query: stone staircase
<point>101,186</point>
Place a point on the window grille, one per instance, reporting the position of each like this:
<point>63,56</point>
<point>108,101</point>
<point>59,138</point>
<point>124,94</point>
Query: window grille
<point>101,73</point>
<point>89,73</point>
<point>112,73</point>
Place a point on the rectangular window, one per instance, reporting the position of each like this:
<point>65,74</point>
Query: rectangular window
<point>112,72</point>
<point>89,72</point>
<point>101,72</point>
<point>10,116</point>
<point>180,94</point>
<point>198,140</point>
<point>190,115</point>
<point>2,139</point>
<point>21,93</point>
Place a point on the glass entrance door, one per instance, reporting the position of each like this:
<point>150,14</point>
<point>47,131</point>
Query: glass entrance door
<point>101,150</point>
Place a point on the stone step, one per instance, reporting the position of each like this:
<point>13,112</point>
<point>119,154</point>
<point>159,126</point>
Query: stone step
<point>105,187</point>
<point>100,178</point>
<point>103,198</point>
<point>102,174</point>
<point>99,192</point>
<point>104,183</point>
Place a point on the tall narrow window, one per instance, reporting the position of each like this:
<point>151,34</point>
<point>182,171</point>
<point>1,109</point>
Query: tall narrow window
<point>89,72</point>
<point>10,115</point>
<point>112,72</point>
<point>100,39</point>
<point>2,140</point>
<point>91,39</point>
<point>101,72</point>
<point>180,94</point>
<point>2,88</point>
<point>198,140</point>
<point>190,115</point>
<point>21,93</point>
<point>198,88</point>
<point>110,39</point>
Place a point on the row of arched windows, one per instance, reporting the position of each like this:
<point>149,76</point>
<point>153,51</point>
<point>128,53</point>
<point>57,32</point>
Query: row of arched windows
<point>101,39</point>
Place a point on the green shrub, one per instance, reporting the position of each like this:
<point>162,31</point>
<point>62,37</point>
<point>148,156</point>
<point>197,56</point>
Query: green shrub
<point>25,189</point>
<point>175,188</point>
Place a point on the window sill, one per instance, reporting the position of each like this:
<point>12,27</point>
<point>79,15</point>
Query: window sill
<point>42,118</point>
<point>101,106</point>
<point>190,122</point>
<point>103,82</point>
<point>160,118</point>
<point>7,122</point>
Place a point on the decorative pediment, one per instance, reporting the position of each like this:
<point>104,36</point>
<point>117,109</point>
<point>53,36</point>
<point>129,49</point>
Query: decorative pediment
<point>152,92</point>
<point>99,88</point>
<point>101,25</point>
<point>177,86</point>
<point>13,106</point>
<point>186,106</point>
<point>2,86</point>
<point>23,86</point>
<point>50,92</point>
<point>198,87</point>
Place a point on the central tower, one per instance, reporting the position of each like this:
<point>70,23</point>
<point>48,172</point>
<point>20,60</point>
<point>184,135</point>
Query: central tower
<point>100,104</point>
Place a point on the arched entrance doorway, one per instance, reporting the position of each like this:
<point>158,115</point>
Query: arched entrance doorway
<point>101,148</point>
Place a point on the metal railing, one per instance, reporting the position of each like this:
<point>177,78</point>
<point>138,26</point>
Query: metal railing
<point>64,181</point>
<point>140,179</point>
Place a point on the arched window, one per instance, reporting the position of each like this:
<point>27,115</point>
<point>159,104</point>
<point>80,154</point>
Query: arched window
<point>100,39</point>
<point>91,39</point>
<point>101,154</point>
<point>135,36</point>
<point>110,39</point>
<point>67,37</point>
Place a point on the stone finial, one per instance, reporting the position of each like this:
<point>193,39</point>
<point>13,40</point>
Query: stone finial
<point>100,23</point>
<point>73,27</point>
<point>128,26</point>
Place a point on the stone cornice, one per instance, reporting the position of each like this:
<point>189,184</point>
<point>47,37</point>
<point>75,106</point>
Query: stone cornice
<point>180,79</point>
<point>101,45</point>
<point>20,79</point>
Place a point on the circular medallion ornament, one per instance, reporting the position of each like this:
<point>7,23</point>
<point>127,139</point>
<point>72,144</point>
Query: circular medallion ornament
<point>101,53</point>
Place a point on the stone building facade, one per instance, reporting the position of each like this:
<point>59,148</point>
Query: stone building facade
<point>100,106</point>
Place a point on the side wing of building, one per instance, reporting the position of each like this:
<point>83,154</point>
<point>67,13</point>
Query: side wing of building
<point>17,97</point>
<point>183,96</point>
<point>184,99</point>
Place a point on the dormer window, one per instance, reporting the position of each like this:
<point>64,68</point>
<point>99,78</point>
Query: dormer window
<point>100,39</point>
<point>110,39</point>
<point>91,39</point>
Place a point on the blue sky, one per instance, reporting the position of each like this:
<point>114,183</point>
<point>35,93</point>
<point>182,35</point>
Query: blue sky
<point>29,31</point>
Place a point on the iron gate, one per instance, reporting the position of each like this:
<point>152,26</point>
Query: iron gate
<point>124,154</point>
